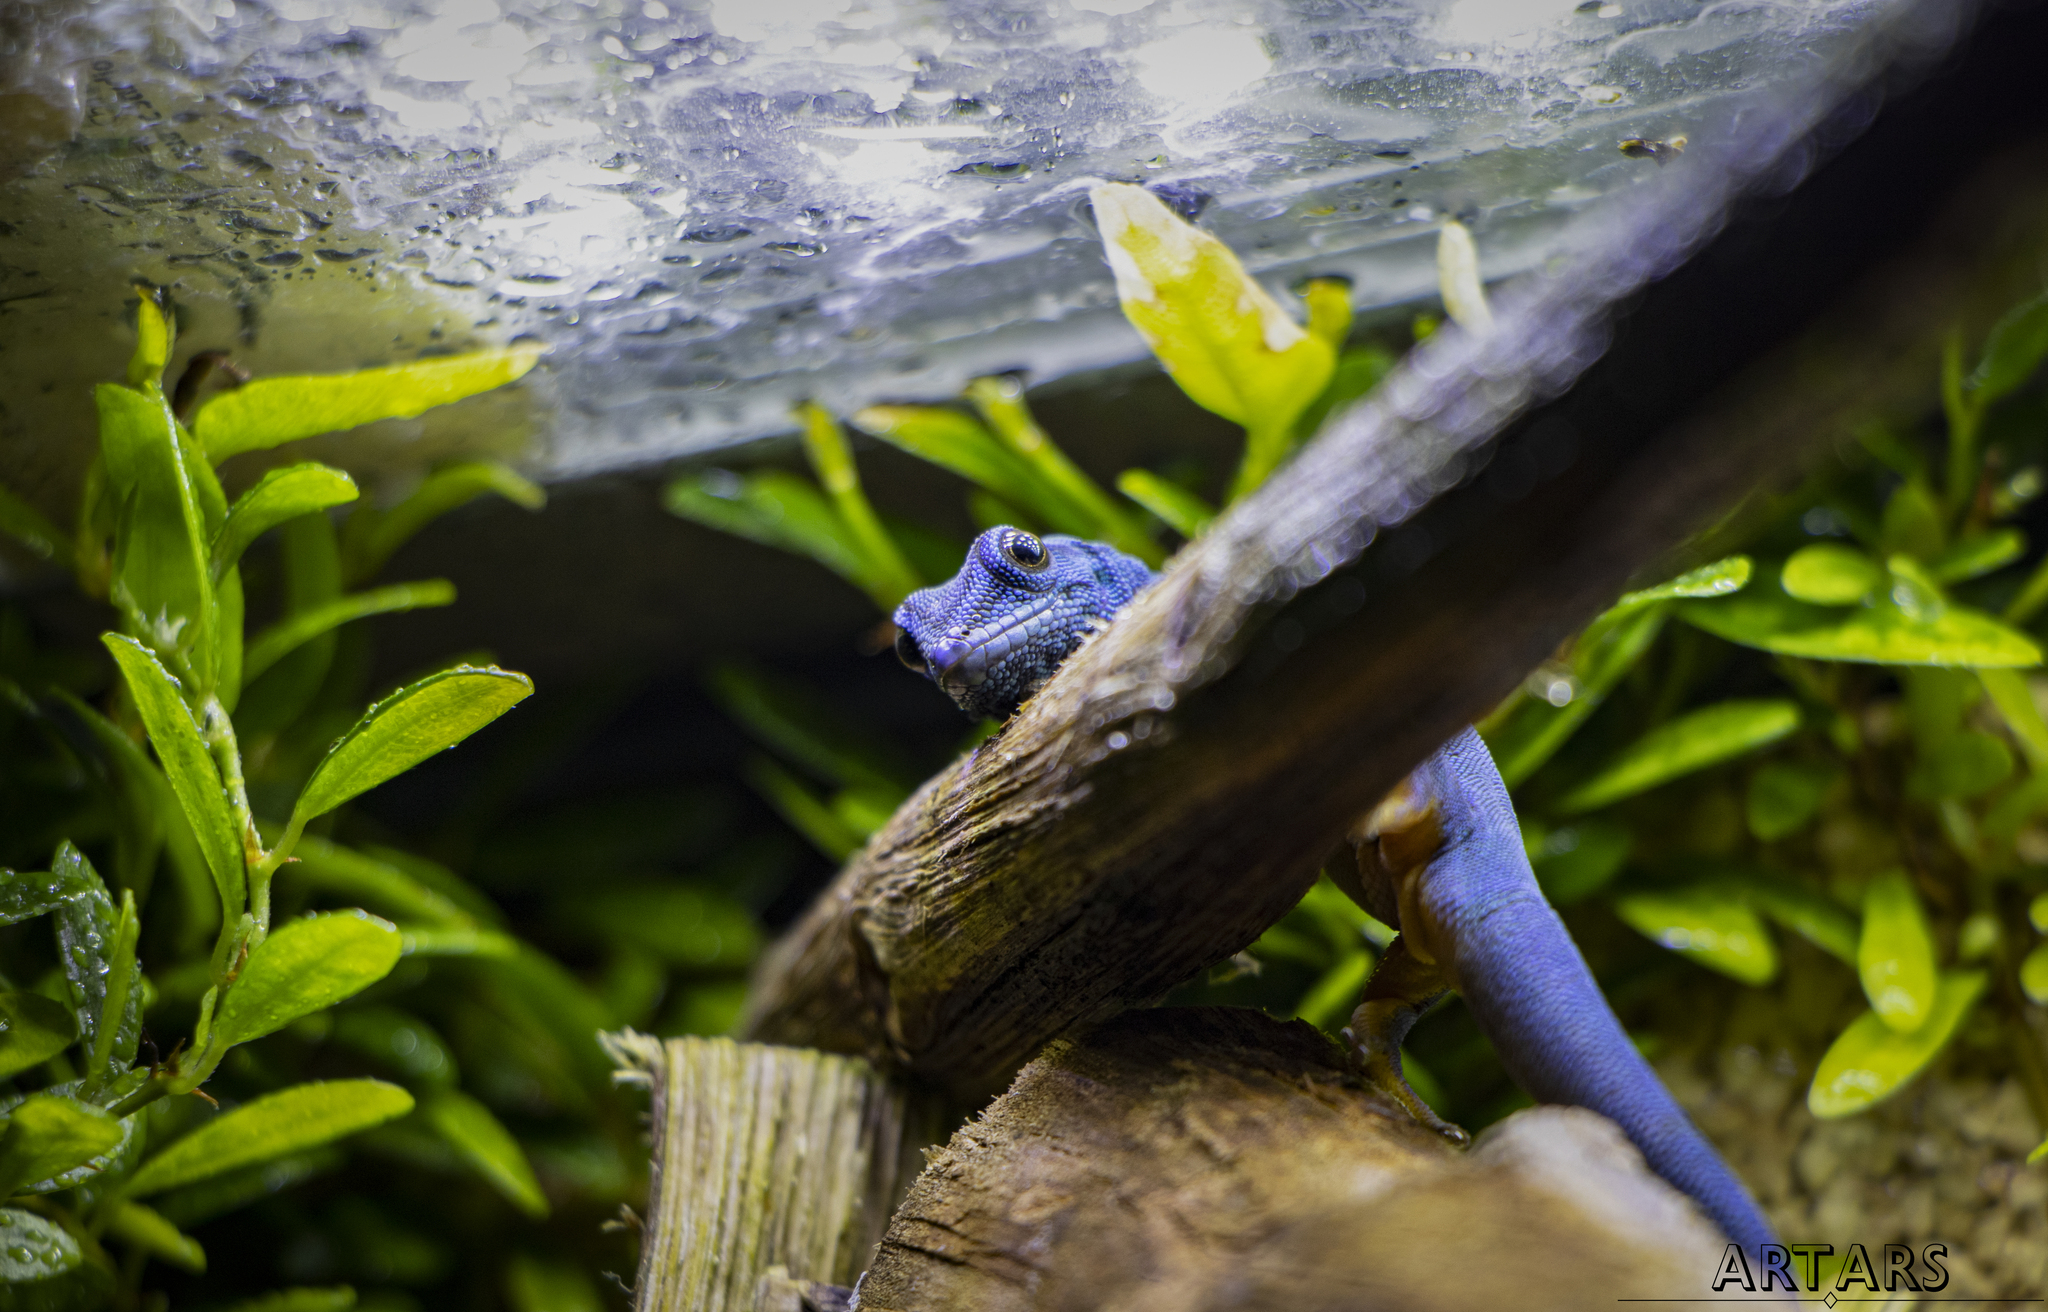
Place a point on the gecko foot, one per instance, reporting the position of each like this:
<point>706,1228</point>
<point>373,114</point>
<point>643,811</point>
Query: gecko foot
<point>1380,1064</point>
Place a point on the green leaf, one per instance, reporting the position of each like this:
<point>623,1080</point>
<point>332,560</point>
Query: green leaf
<point>462,942</point>
<point>2034,974</point>
<point>47,1136</point>
<point>1830,574</point>
<point>1694,741</point>
<point>270,411</point>
<point>288,635</point>
<point>1228,343</point>
<point>288,1121</point>
<point>33,1249</point>
<point>958,442</point>
<point>362,878</point>
<point>88,930</point>
<point>1870,1060</point>
<point>406,728</point>
<point>772,508</point>
<point>24,895</point>
<point>398,1039</point>
<point>1813,917</point>
<point>187,764</point>
<point>487,1146</point>
<point>1329,1004</point>
<point>306,966</point>
<point>1880,633</point>
<point>1963,765</point>
<point>36,1029</point>
<point>2014,350</point>
<point>2015,702</point>
<point>801,808</point>
<point>686,926</point>
<point>1535,727</point>
<point>154,332</point>
<point>1183,511</point>
<point>790,717</point>
<point>26,525</point>
<point>373,536</point>
<point>1001,403</point>
<point>162,583</point>
<point>889,577</point>
<point>280,495</point>
<point>154,1235</point>
<point>533,1284</point>
<point>113,1044</point>
<point>1722,577</point>
<point>1979,555</point>
<point>1895,956</point>
<point>1577,860</point>
<point>338,1299</point>
<point>1784,796</point>
<point>1912,521</point>
<point>1710,923</point>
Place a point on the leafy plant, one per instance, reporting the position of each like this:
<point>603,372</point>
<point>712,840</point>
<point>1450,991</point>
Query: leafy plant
<point>223,755</point>
<point>1843,700</point>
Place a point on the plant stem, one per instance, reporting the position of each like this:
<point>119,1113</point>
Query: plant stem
<point>227,753</point>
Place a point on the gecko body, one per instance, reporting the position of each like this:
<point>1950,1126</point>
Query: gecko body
<point>1440,859</point>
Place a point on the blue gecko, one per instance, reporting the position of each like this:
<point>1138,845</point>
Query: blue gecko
<point>1441,859</point>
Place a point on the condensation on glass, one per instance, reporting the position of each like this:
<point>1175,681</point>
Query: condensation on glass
<point>710,211</point>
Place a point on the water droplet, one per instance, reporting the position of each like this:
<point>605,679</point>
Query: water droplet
<point>800,249</point>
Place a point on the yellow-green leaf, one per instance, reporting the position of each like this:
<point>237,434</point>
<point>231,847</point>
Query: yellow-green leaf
<point>1814,917</point>
<point>1181,510</point>
<point>33,1029</point>
<point>1718,579</point>
<point>1783,796</point>
<point>154,331</point>
<point>1221,336</point>
<point>1962,765</point>
<point>47,1135</point>
<point>2013,351</point>
<point>772,508</point>
<point>886,574</point>
<point>2034,974</point>
<point>1713,925</point>
<point>288,1121</point>
<point>1978,555</point>
<point>1870,1060</point>
<point>1831,574</point>
<point>1329,1004</point>
<point>374,535</point>
<point>187,764</point>
<point>2015,702</point>
<point>1880,633</point>
<point>489,1148</point>
<point>270,411</point>
<point>406,728</point>
<point>162,583</point>
<point>279,495</point>
<point>1895,956</point>
<point>288,635</point>
<point>27,525</point>
<point>1692,742</point>
<point>154,1235</point>
<point>306,966</point>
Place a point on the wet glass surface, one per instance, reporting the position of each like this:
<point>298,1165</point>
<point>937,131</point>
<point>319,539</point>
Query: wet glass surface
<point>710,211</point>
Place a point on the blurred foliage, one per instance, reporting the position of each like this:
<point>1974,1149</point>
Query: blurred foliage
<point>1831,733</point>
<point>252,1055</point>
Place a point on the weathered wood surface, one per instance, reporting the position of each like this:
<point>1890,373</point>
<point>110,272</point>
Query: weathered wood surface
<point>1174,789</point>
<point>766,1159</point>
<point>1185,1159</point>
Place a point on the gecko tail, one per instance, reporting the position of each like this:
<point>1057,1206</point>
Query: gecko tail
<point>1531,992</point>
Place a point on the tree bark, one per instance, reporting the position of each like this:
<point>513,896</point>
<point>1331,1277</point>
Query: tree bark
<point>1210,1158</point>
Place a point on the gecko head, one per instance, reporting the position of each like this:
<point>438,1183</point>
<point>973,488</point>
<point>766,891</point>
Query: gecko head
<point>995,632</point>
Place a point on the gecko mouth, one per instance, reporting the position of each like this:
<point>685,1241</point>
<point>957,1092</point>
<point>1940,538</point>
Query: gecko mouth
<point>965,660</point>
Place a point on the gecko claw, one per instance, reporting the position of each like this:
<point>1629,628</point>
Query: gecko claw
<point>1380,1067</point>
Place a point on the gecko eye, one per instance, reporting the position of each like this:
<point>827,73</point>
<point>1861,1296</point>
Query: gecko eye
<point>907,652</point>
<point>1026,551</point>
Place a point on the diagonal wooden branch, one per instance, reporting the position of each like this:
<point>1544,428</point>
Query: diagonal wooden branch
<point>1174,789</point>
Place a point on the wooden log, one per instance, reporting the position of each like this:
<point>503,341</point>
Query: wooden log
<point>1174,789</point>
<point>1215,1158</point>
<point>774,1168</point>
